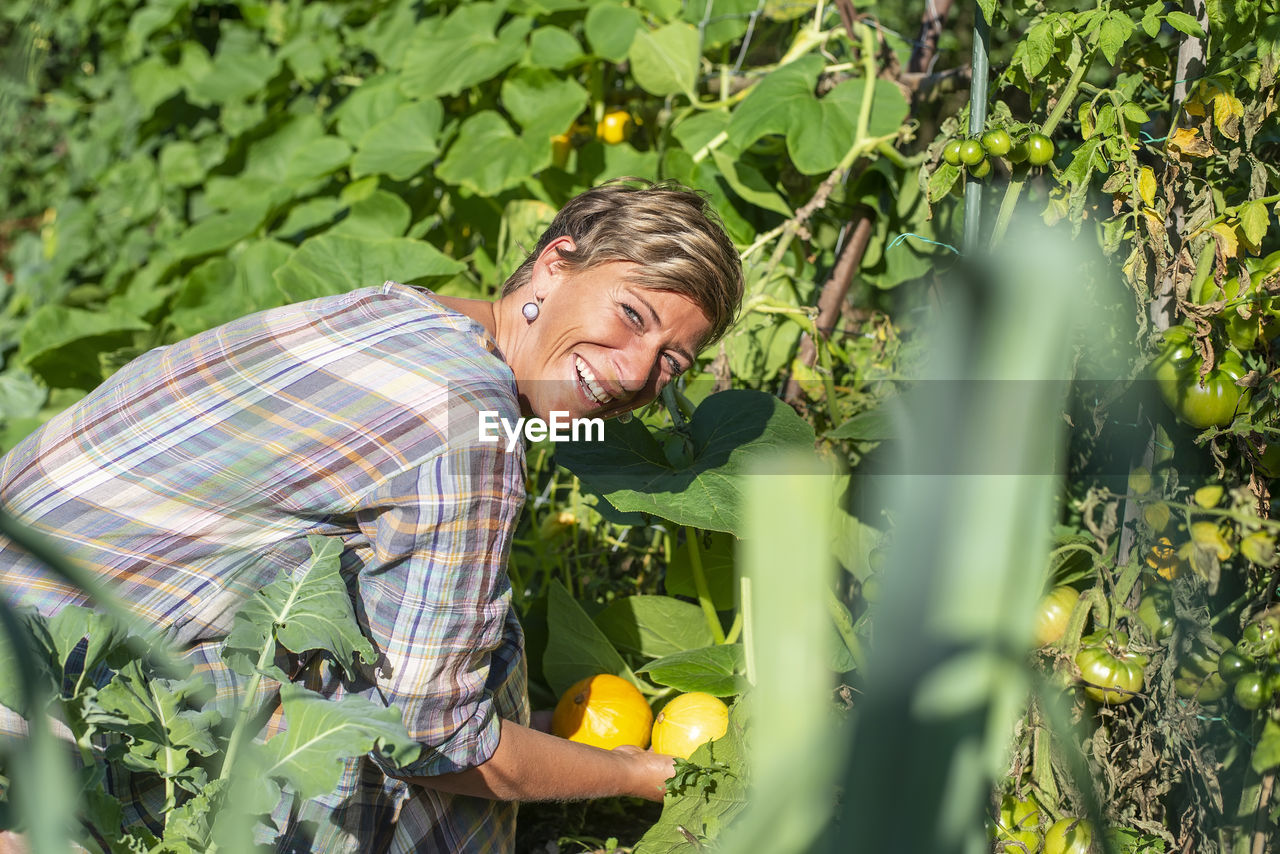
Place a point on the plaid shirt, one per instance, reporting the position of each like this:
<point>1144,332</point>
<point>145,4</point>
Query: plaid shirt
<point>195,473</point>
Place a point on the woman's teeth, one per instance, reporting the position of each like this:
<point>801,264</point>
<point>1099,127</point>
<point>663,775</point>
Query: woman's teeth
<point>589,380</point>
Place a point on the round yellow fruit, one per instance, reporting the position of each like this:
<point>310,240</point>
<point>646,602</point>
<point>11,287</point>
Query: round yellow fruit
<point>605,711</point>
<point>689,721</point>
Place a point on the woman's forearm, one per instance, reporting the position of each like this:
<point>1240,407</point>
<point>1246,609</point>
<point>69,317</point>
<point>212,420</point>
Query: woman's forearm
<point>533,766</point>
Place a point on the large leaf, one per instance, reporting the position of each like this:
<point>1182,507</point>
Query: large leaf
<point>488,157</point>
<point>707,798</point>
<point>307,609</point>
<point>335,263</point>
<point>162,731</point>
<point>322,734</point>
<point>463,50</point>
<point>714,669</point>
<point>402,144</point>
<point>576,648</point>
<point>665,61</point>
<point>727,432</point>
<point>542,102</point>
<point>611,28</point>
<point>61,344</point>
<point>654,626</point>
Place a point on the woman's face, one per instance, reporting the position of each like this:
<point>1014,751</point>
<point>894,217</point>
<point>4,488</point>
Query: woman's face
<point>601,344</point>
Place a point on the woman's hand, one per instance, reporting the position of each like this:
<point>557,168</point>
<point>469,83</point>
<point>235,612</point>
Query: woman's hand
<point>652,770</point>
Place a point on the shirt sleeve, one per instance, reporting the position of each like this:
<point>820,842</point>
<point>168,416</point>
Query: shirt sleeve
<point>436,597</point>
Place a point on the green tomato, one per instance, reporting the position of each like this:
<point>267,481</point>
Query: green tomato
<point>1018,825</point>
<point>1019,152</point>
<point>951,152</point>
<point>1250,691</point>
<point>1213,402</point>
<point>1039,149</point>
<point>1232,665</point>
<point>1054,612</point>
<point>1261,638</point>
<point>997,142</point>
<point>1111,673</point>
<point>982,169</point>
<point>971,152</point>
<point>1206,688</point>
<point>1155,611</point>
<point>1068,836</point>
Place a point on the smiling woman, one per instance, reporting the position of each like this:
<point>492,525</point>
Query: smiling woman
<point>200,470</point>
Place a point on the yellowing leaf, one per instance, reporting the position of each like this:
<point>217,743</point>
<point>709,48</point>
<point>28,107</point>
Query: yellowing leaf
<point>1187,141</point>
<point>1228,240</point>
<point>1147,185</point>
<point>1209,496</point>
<point>1254,222</point>
<point>1227,112</point>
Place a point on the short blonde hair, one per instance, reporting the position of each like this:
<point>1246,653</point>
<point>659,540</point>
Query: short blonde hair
<point>670,231</point>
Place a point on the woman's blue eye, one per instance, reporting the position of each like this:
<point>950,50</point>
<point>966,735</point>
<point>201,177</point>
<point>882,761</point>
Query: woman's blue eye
<point>675,365</point>
<point>632,314</point>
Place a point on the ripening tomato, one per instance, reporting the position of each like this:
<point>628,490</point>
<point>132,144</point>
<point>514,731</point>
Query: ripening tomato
<point>1211,402</point>
<point>1039,149</point>
<point>1068,836</point>
<point>951,152</point>
<point>971,152</point>
<point>1054,612</point>
<point>1110,672</point>
<point>603,710</point>
<point>1018,825</point>
<point>997,142</point>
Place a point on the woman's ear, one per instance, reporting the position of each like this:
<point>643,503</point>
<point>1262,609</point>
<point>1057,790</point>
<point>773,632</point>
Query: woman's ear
<point>550,266</point>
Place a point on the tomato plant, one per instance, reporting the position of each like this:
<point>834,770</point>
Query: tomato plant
<point>971,152</point>
<point>1040,149</point>
<point>997,142</point>
<point>1210,401</point>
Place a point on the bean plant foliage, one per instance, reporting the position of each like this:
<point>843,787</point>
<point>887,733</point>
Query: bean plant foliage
<point>169,165</point>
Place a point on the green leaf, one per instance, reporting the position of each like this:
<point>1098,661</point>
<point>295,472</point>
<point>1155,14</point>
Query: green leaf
<point>220,231</point>
<point>153,82</point>
<point>162,731</point>
<point>728,431</point>
<point>1254,221</point>
<point>717,553</point>
<point>542,103</point>
<point>611,29</point>
<point>576,648</point>
<point>241,69</point>
<point>463,50</point>
<point>333,263</point>
<point>322,734</point>
<point>1115,31</point>
<point>665,61</point>
<point>379,215</point>
<point>1266,754</point>
<point>487,157</point>
<point>375,100</point>
<point>714,669</point>
<point>554,48</point>
<point>307,609</point>
<point>61,344</point>
<point>402,144</point>
<point>705,795</point>
<point>1184,23</point>
<point>654,626</point>
<point>749,184</point>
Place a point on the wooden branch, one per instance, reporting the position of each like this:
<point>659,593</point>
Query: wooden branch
<point>926,48</point>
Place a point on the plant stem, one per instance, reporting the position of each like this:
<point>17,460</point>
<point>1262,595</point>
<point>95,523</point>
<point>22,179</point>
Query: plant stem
<point>1010,200</point>
<point>844,626</point>
<point>700,585</point>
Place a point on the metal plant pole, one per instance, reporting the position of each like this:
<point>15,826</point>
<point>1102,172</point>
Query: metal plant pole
<point>977,119</point>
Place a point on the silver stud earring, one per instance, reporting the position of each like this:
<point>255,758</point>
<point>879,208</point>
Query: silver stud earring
<point>530,311</point>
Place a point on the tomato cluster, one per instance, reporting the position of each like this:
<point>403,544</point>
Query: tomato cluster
<point>1252,667</point>
<point>1017,829</point>
<point>973,153</point>
<point>1211,400</point>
